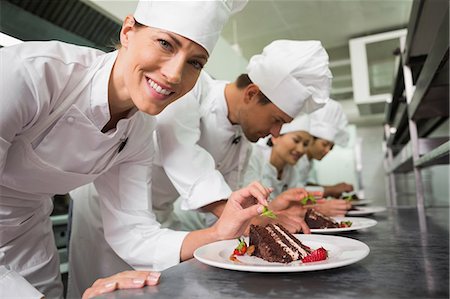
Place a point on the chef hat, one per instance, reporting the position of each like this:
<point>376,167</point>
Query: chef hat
<point>300,123</point>
<point>330,123</point>
<point>199,21</point>
<point>294,75</point>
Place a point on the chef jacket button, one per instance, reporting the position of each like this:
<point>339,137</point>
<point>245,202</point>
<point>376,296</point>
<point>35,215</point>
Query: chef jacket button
<point>71,119</point>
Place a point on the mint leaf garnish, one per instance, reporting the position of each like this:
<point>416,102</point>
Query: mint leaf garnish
<point>268,213</point>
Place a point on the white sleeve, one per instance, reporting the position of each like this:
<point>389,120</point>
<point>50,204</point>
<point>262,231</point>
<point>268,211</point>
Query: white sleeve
<point>254,169</point>
<point>18,98</point>
<point>190,167</point>
<point>302,168</point>
<point>130,226</point>
<point>312,176</point>
<point>12,285</point>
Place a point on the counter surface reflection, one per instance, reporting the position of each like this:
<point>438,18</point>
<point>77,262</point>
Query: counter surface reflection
<point>409,258</point>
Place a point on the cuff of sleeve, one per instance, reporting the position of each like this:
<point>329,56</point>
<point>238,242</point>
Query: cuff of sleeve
<point>168,250</point>
<point>14,285</point>
<point>207,190</point>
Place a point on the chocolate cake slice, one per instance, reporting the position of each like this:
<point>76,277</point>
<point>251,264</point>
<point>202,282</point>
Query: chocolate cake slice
<point>315,219</point>
<point>274,243</point>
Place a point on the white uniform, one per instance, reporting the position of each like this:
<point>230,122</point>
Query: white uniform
<point>202,153</point>
<point>196,143</point>
<point>54,105</point>
<point>261,169</point>
<point>303,169</point>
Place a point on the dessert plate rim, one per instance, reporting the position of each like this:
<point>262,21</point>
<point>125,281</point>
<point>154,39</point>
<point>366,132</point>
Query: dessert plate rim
<point>342,251</point>
<point>357,224</point>
<point>364,211</point>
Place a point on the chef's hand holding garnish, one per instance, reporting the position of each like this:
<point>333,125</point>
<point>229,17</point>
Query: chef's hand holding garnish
<point>291,218</point>
<point>122,280</point>
<point>241,207</point>
<point>338,189</point>
<point>333,207</point>
<point>287,210</point>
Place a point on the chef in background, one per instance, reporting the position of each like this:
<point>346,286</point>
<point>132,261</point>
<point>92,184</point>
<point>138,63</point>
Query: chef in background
<point>97,109</point>
<point>273,158</point>
<point>327,127</point>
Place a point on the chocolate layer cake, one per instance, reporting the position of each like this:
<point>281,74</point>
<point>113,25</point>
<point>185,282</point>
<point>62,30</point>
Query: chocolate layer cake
<point>315,219</point>
<point>274,243</point>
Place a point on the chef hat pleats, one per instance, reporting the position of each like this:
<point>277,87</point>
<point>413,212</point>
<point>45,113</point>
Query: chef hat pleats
<point>294,75</point>
<point>300,123</point>
<point>199,21</point>
<point>330,122</point>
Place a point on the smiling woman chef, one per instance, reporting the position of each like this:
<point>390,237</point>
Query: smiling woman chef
<point>72,115</point>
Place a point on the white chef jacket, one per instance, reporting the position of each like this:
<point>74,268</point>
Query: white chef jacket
<point>303,169</point>
<point>196,142</point>
<point>260,169</point>
<point>198,148</point>
<point>36,79</point>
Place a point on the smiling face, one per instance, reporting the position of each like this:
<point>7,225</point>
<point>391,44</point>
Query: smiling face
<point>157,66</point>
<point>319,148</point>
<point>290,147</point>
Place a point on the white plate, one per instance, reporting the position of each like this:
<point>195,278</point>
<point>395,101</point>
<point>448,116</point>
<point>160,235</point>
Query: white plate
<point>362,211</point>
<point>341,252</point>
<point>357,223</point>
<point>361,202</point>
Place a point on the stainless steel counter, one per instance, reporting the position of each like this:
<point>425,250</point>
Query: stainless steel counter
<point>409,258</point>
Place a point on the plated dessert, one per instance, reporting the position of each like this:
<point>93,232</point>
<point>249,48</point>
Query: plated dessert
<point>316,220</point>
<point>273,243</point>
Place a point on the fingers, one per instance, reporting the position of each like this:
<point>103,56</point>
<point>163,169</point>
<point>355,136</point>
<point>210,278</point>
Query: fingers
<point>95,291</point>
<point>252,211</point>
<point>305,227</point>
<point>292,222</point>
<point>255,190</point>
<point>122,280</point>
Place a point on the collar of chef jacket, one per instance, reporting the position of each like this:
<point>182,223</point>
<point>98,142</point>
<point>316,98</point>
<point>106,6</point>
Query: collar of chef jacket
<point>220,108</point>
<point>99,93</point>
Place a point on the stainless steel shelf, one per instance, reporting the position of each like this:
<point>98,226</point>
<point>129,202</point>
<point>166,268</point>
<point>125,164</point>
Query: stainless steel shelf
<point>59,219</point>
<point>430,100</point>
<point>423,80</point>
<point>439,155</point>
<point>423,27</point>
<point>403,161</point>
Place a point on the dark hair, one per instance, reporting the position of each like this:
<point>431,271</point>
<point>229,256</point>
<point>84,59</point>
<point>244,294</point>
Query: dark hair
<point>243,81</point>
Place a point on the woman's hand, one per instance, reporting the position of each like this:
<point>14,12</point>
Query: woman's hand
<point>122,280</point>
<point>241,207</point>
<point>333,207</point>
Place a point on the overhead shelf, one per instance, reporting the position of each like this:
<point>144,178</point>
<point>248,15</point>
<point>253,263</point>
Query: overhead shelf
<point>404,162</point>
<point>439,155</point>
<point>420,98</point>
<point>397,94</point>
<point>423,27</point>
<point>431,94</point>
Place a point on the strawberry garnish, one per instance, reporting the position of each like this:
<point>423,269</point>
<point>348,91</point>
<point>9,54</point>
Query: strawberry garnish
<point>315,256</point>
<point>241,248</point>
